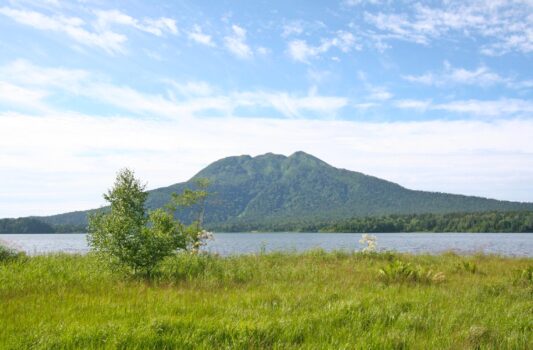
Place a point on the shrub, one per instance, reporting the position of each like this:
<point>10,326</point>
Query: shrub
<point>9,254</point>
<point>400,272</point>
<point>130,237</point>
<point>467,266</point>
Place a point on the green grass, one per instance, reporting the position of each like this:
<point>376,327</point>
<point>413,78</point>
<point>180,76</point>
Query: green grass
<point>315,300</point>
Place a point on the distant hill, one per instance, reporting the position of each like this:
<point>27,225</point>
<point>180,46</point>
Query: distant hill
<point>275,188</point>
<point>24,225</point>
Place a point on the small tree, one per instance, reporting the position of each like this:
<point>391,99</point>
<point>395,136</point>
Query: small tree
<point>129,236</point>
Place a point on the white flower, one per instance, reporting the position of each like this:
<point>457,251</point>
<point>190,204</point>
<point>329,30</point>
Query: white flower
<point>370,242</point>
<point>201,240</point>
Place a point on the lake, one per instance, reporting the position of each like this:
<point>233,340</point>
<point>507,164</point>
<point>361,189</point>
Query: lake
<point>509,244</point>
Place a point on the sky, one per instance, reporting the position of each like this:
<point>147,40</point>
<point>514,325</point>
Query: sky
<point>433,95</point>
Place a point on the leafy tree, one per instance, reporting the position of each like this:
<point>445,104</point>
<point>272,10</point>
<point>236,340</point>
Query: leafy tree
<point>129,236</point>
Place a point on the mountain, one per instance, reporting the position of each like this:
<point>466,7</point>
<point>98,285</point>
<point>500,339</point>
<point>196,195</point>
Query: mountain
<point>301,187</point>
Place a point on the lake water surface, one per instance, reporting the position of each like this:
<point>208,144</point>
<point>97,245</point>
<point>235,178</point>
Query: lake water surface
<point>510,244</point>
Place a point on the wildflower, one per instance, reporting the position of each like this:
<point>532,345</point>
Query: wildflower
<point>370,241</point>
<point>201,240</point>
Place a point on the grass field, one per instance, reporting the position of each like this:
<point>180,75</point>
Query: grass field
<point>315,300</point>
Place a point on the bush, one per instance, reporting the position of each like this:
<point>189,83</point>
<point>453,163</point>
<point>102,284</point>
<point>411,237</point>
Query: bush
<point>130,237</point>
<point>400,272</point>
<point>467,266</point>
<point>9,254</point>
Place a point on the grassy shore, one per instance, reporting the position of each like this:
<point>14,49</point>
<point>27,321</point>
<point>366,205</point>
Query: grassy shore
<point>314,300</point>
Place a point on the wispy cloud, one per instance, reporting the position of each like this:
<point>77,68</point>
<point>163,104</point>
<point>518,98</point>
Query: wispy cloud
<point>292,28</point>
<point>504,107</point>
<point>194,97</point>
<point>293,106</point>
<point>236,43</point>
<point>362,2</point>
<point>300,50</point>
<point>197,35</point>
<point>481,76</point>
<point>22,97</point>
<point>191,88</point>
<point>379,93</point>
<point>155,26</point>
<point>505,24</point>
<point>101,36</point>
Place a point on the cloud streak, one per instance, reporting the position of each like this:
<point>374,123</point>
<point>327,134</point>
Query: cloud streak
<point>482,108</point>
<point>300,50</point>
<point>236,43</point>
<point>194,97</point>
<point>197,35</point>
<point>102,36</point>
<point>506,24</point>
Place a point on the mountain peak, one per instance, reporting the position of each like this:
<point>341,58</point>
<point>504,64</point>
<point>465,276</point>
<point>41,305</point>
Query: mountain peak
<point>301,154</point>
<point>306,158</point>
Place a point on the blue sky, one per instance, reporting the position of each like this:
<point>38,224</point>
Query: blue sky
<point>432,95</point>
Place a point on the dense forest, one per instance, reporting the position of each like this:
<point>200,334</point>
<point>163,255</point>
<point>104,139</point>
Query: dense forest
<point>521,221</point>
<point>24,225</point>
<point>455,222</point>
<point>32,225</point>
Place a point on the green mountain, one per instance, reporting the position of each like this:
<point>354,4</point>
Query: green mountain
<point>275,188</point>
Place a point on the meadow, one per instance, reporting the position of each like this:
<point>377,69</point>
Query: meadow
<point>312,300</point>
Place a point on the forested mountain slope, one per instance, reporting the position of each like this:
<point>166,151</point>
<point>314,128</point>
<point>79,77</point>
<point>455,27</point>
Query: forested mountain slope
<point>301,187</point>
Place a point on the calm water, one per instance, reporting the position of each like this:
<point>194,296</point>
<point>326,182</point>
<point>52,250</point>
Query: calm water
<point>511,244</point>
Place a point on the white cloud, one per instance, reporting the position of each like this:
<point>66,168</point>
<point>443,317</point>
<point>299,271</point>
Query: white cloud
<point>263,50</point>
<point>426,79</point>
<point>379,93</point>
<point>362,2</point>
<point>299,50</point>
<point>291,105</point>
<point>13,95</point>
<point>292,28</point>
<point>68,160</point>
<point>192,88</point>
<point>364,105</point>
<point>78,30</point>
<point>398,27</point>
<point>27,85</point>
<point>413,104</point>
<point>196,34</point>
<point>157,26</point>
<point>195,97</point>
<point>236,43</point>
<point>73,27</point>
<point>481,76</point>
<point>491,108</point>
<point>24,72</point>
<point>503,107</point>
<point>506,25</point>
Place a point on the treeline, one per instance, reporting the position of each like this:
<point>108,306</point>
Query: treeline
<point>456,222</point>
<point>24,225</point>
<point>32,225</point>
